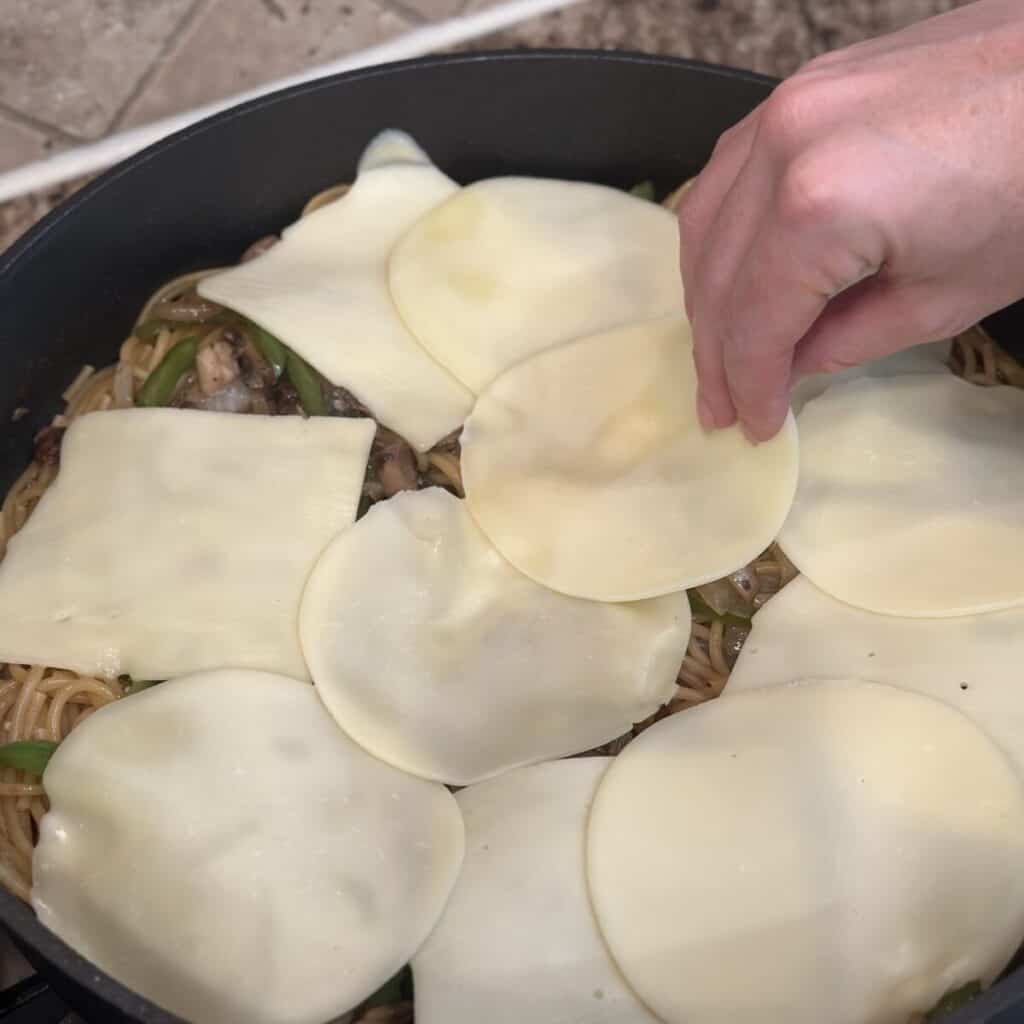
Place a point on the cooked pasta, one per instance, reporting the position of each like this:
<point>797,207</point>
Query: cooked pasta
<point>45,703</point>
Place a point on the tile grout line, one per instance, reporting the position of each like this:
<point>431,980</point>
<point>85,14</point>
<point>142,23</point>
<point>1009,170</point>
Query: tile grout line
<point>93,157</point>
<point>170,44</point>
<point>400,8</point>
<point>36,125</point>
<point>275,9</point>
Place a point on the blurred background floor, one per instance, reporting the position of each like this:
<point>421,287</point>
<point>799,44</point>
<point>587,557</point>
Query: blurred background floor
<point>75,71</point>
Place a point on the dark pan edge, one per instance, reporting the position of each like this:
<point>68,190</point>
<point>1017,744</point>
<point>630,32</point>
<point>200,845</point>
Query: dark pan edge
<point>42,947</point>
<point>35,234</point>
<point>1005,999</point>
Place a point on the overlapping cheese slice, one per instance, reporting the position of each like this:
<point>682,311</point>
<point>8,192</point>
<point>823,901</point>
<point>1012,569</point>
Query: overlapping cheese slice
<point>836,851</point>
<point>932,358</point>
<point>911,496</point>
<point>510,266</point>
<point>217,844</point>
<point>971,662</point>
<point>437,656</point>
<point>518,942</point>
<point>174,541</point>
<point>323,291</point>
<point>587,468</point>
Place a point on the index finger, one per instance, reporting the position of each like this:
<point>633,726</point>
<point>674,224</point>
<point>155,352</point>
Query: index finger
<point>698,212</point>
<point>699,206</point>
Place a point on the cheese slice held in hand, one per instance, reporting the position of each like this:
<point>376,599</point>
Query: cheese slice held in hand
<point>971,662</point>
<point>174,541</point>
<point>510,266</point>
<point>323,290</point>
<point>835,851</point>
<point>218,845</point>
<point>911,496</point>
<point>587,468</point>
<point>438,657</point>
<point>518,941</point>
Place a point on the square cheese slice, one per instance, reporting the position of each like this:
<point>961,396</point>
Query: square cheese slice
<point>174,541</point>
<point>323,290</point>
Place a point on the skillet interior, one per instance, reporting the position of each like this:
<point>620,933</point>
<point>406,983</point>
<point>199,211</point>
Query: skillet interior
<point>70,289</point>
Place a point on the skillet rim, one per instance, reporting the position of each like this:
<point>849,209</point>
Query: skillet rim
<point>46,951</point>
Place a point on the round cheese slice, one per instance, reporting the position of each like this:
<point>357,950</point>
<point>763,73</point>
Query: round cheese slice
<point>836,851</point>
<point>971,662</point>
<point>510,266</point>
<point>437,656</point>
<point>518,941</point>
<point>911,496</point>
<point>218,845</point>
<point>587,468</point>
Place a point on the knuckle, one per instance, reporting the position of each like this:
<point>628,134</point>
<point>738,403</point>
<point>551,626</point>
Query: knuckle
<point>726,139</point>
<point>791,113</point>
<point>810,189</point>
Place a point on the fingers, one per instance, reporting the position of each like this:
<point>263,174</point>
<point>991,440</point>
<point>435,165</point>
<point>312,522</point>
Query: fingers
<point>761,293</point>
<point>872,320</point>
<point>771,305</point>
<point>698,213</point>
<point>699,207</point>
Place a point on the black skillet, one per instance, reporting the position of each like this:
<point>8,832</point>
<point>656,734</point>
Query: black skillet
<point>70,288</point>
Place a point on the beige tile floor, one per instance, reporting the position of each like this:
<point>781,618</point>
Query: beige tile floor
<point>73,71</point>
<point>771,36</point>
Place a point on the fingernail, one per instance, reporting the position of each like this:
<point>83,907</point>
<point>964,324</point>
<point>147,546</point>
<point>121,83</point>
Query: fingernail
<point>758,433</point>
<point>705,413</point>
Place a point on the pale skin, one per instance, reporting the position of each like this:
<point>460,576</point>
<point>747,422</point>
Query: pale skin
<point>875,201</point>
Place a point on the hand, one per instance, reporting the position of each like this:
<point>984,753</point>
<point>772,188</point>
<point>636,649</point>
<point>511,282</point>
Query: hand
<point>875,201</point>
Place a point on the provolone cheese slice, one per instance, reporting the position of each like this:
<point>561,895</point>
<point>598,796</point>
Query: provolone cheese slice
<point>518,941</point>
<point>392,147</point>
<point>911,497</point>
<point>323,291</point>
<point>217,844</point>
<point>972,662</point>
<point>932,358</point>
<point>439,657</point>
<point>587,468</point>
<point>836,851</point>
<point>174,541</point>
<point>510,266</point>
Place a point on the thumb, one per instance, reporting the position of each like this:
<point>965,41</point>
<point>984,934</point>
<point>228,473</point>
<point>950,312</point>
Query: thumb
<point>873,319</point>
